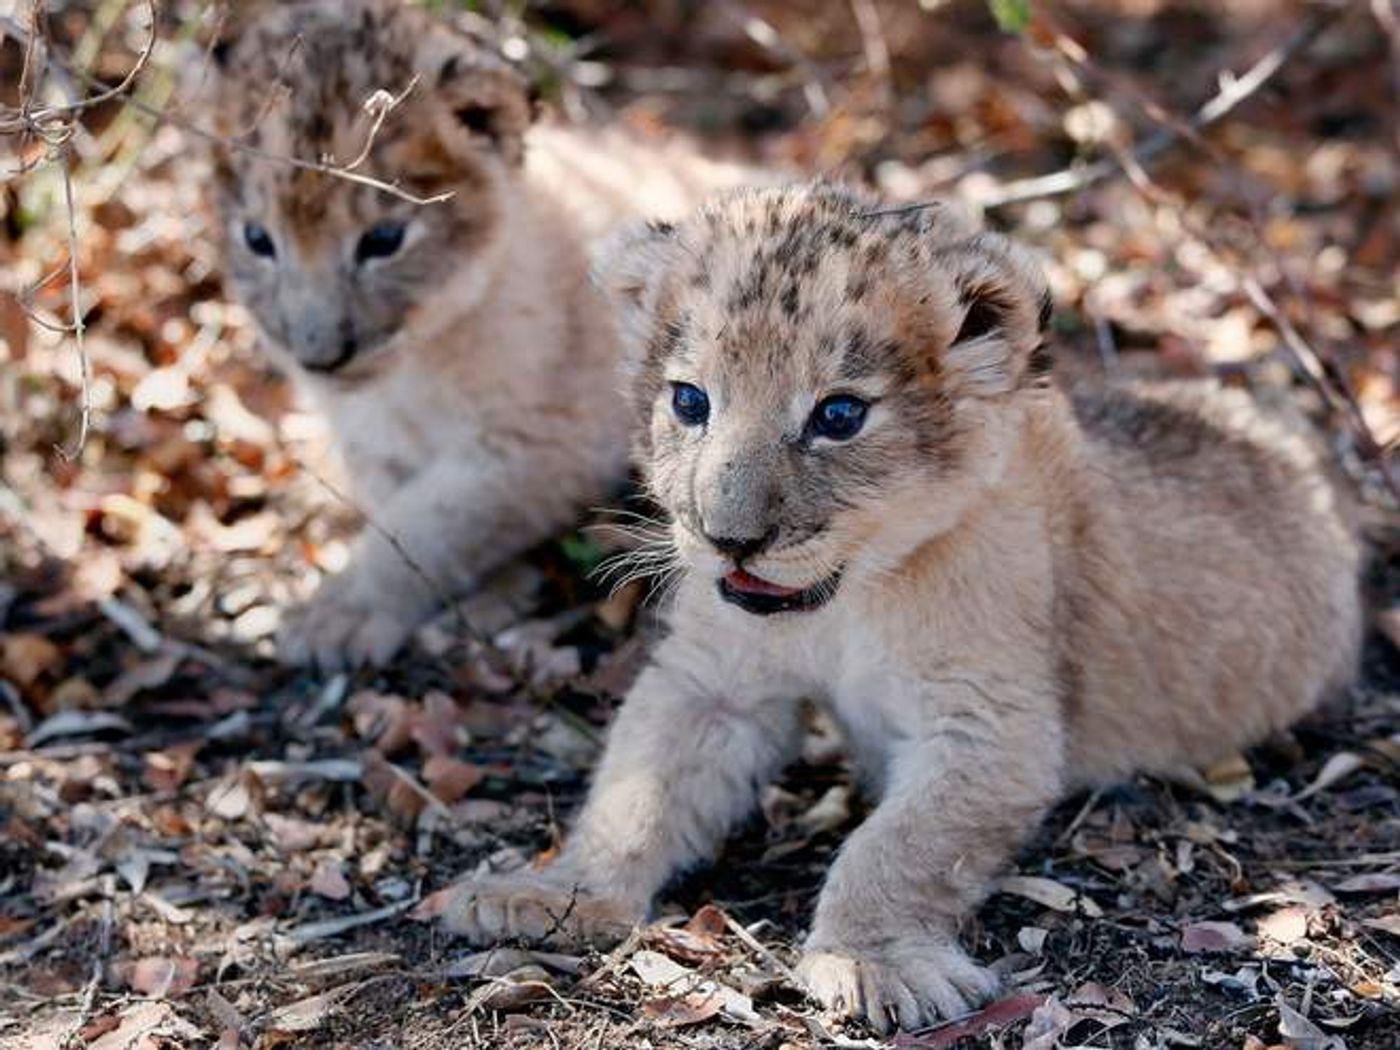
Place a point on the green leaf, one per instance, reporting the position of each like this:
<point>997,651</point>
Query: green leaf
<point>1011,15</point>
<point>582,552</point>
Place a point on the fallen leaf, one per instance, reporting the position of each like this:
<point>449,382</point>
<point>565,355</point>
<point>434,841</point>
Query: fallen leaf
<point>141,1024</point>
<point>1108,1006</point>
<point>167,770</point>
<point>521,987</point>
<point>433,726</point>
<point>1050,894</point>
<point>1050,1020</point>
<point>329,881</point>
<point>671,978</point>
<point>1301,1034</point>
<point>678,1011</point>
<point>1213,937</point>
<point>1285,926</point>
<point>450,778</point>
<point>24,657</point>
<point>1378,882</point>
<point>163,976</point>
<point>996,1015</point>
<point>1340,766</point>
<point>1032,939</point>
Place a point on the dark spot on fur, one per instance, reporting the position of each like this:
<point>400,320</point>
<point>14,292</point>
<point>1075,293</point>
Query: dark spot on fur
<point>791,299</point>
<point>1047,307</point>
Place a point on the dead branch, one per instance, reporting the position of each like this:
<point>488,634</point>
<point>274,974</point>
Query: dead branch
<point>1233,91</point>
<point>877,49</point>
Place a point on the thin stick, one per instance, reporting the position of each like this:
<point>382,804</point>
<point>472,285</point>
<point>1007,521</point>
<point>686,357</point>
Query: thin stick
<point>877,49</point>
<point>79,326</point>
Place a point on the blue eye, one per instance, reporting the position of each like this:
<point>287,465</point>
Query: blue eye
<point>259,241</point>
<point>381,241</point>
<point>839,418</point>
<point>690,404</point>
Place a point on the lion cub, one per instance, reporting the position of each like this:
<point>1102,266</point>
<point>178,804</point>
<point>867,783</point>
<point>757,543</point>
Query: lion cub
<point>465,364</point>
<point>883,505</point>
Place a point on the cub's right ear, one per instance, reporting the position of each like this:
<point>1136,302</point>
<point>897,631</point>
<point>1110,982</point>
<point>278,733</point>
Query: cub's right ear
<point>631,268</point>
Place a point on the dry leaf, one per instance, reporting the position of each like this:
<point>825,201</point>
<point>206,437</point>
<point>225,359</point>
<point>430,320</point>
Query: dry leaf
<point>163,976</point>
<point>142,1024</point>
<point>1301,1034</point>
<point>329,881</point>
<point>1050,894</point>
<point>521,987</point>
<point>24,657</point>
<point>996,1015</point>
<point>1214,937</point>
<point>1341,765</point>
<point>674,980</point>
<point>1050,1020</point>
<point>1379,882</point>
<point>1285,926</point>
<point>450,778</point>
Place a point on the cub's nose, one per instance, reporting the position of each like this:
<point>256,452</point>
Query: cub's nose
<point>739,548</point>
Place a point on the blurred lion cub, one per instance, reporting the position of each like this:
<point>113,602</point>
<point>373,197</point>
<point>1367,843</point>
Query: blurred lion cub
<point>882,504</point>
<point>465,364</point>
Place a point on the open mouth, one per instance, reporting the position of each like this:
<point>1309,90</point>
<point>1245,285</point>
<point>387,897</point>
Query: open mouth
<point>763,598</point>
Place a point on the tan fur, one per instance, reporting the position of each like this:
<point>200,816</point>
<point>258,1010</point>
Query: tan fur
<point>1033,595</point>
<point>469,379</point>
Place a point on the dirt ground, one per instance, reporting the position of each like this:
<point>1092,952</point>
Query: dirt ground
<point>199,847</point>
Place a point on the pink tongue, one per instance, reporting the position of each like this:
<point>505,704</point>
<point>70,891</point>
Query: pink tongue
<point>744,582</point>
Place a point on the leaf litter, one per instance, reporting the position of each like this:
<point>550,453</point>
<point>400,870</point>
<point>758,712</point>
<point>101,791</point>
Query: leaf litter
<point>263,839</point>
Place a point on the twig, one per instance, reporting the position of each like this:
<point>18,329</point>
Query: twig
<point>162,116</point>
<point>99,964</point>
<point>877,49</point>
<point>762,33</point>
<point>1233,91</point>
<point>763,952</point>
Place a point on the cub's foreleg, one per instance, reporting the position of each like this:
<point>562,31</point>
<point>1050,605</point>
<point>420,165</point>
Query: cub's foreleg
<point>683,764</point>
<point>970,783</point>
<point>432,541</point>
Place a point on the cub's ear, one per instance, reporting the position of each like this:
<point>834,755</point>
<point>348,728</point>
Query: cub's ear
<point>631,268</point>
<point>1002,306</point>
<point>490,103</point>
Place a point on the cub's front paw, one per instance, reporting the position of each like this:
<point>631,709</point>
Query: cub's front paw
<point>346,624</point>
<point>908,984</point>
<point>541,907</point>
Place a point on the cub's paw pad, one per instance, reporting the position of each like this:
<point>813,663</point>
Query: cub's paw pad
<point>536,907</point>
<point>903,985</point>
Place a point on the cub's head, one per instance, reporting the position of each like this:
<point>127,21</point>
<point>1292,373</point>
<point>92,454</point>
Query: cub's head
<point>821,386</point>
<point>332,268</point>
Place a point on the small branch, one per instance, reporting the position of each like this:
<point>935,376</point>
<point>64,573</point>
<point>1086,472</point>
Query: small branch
<point>877,49</point>
<point>79,326</point>
<point>762,33</point>
<point>1233,91</point>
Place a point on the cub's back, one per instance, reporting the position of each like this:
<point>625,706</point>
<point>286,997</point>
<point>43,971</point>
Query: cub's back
<point>604,176</point>
<point>1234,594</point>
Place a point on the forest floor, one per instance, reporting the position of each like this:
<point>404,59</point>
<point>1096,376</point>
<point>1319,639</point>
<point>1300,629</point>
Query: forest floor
<point>199,847</point>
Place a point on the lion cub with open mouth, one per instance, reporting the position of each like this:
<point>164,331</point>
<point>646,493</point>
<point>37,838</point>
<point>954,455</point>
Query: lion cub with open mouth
<point>884,506</point>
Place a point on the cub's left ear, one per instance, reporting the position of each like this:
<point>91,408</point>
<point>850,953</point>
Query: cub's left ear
<point>631,268</point>
<point>490,104</point>
<point>1003,305</point>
